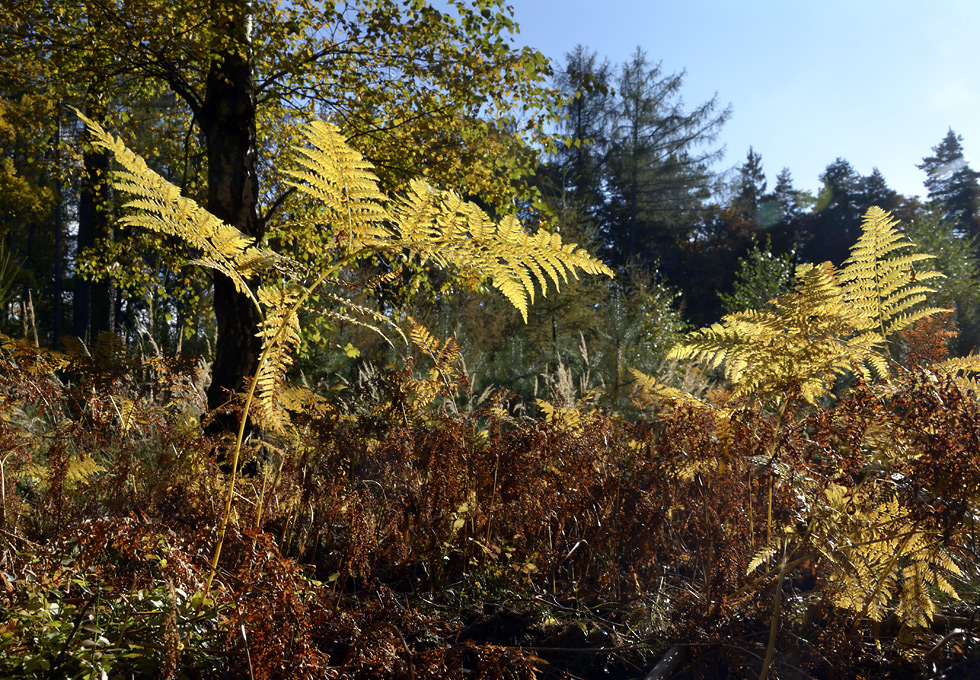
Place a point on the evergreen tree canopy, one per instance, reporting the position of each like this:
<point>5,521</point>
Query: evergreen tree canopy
<point>659,160</point>
<point>953,183</point>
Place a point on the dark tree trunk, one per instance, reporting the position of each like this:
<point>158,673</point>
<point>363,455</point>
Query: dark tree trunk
<point>227,119</point>
<point>58,283</point>
<point>92,308</point>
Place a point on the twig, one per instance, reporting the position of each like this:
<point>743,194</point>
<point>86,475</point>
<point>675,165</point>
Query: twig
<point>71,636</point>
<point>946,638</point>
<point>668,663</point>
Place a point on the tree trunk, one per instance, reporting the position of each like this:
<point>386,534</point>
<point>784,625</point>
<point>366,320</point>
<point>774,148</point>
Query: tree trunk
<point>58,283</point>
<point>92,308</point>
<point>227,119</point>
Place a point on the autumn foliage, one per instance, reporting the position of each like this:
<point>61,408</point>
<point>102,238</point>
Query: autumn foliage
<point>397,541</point>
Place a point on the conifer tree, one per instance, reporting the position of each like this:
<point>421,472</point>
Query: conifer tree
<point>836,221</point>
<point>953,183</point>
<point>659,162</point>
<point>751,186</point>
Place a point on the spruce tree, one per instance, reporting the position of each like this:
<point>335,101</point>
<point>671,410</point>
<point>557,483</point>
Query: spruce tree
<point>954,184</point>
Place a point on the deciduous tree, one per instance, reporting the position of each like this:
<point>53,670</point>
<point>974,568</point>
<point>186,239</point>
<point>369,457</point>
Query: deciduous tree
<point>444,94</point>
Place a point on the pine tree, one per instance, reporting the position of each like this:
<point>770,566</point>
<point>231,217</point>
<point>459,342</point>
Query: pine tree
<point>875,191</point>
<point>836,222</point>
<point>784,213</point>
<point>954,184</point>
<point>579,163</point>
<point>751,187</point>
<point>659,166</point>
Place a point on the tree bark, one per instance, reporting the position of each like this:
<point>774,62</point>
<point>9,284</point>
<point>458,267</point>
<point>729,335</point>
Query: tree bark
<point>58,283</point>
<point>92,306</point>
<point>227,119</point>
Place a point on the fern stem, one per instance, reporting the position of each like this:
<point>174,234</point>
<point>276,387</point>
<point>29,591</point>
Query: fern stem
<point>252,385</point>
<point>774,625</point>
<point>772,457</point>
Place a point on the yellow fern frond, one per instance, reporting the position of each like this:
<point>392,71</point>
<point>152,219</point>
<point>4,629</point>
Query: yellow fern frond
<point>832,324</point>
<point>882,284</point>
<point>80,470</point>
<point>650,391</point>
<point>447,361</point>
<point>964,371</point>
<point>567,419</point>
<point>339,177</point>
<point>796,343</point>
<point>301,399</point>
<point>765,554</point>
<point>157,205</point>
<point>440,226</point>
<point>882,559</point>
<point>280,333</point>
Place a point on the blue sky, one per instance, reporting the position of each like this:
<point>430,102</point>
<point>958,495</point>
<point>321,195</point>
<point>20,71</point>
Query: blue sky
<point>877,82</point>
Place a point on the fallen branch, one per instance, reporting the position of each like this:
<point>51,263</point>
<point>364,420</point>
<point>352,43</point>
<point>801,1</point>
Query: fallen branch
<point>668,663</point>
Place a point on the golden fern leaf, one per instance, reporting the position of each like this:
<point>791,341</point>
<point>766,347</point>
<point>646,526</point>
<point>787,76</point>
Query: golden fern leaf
<point>964,371</point>
<point>880,556</point>
<point>446,357</point>
<point>301,399</point>
<point>157,205</point>
<point>341,179</point>
<point>881,284</point>
<point>796,343</point>
<point>764,555</point>
<point>650,391</point>
<point>280,333</point>
<point>422,338</point>
<point>440,226</point>
<point>79,471</point>
<point>566,419</point>
<point>833,323</point>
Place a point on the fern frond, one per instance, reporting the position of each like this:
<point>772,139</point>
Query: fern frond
<point>157,205</point>
<point>882,558</point>
<point>650,390</point>
<point>280,333</point>
<point>960,365</point>
<point>963,370</point>
<point>440,226</point>
<point>881,284</point>
<point>338,176</point>
<point>796,343</point>
<point>765,554</point>
<point>301,399</point>
<point>834,322</point>
<point>447,361</point>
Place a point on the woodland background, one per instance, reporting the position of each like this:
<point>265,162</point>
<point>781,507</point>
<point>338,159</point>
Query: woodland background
<point>443,522</point>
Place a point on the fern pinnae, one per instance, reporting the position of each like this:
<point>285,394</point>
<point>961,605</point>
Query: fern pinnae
<point>280,333</point>
<point>362,312</point>
<point>545,246</point>
<point>161,208</point>
<point>341,179</point>
<point>879,283</point>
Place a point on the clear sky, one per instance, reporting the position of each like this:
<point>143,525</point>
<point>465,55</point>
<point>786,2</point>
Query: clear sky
<point>877,82</point>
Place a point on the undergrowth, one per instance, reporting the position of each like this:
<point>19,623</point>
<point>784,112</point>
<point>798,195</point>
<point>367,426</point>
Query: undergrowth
<point>404,540</point>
